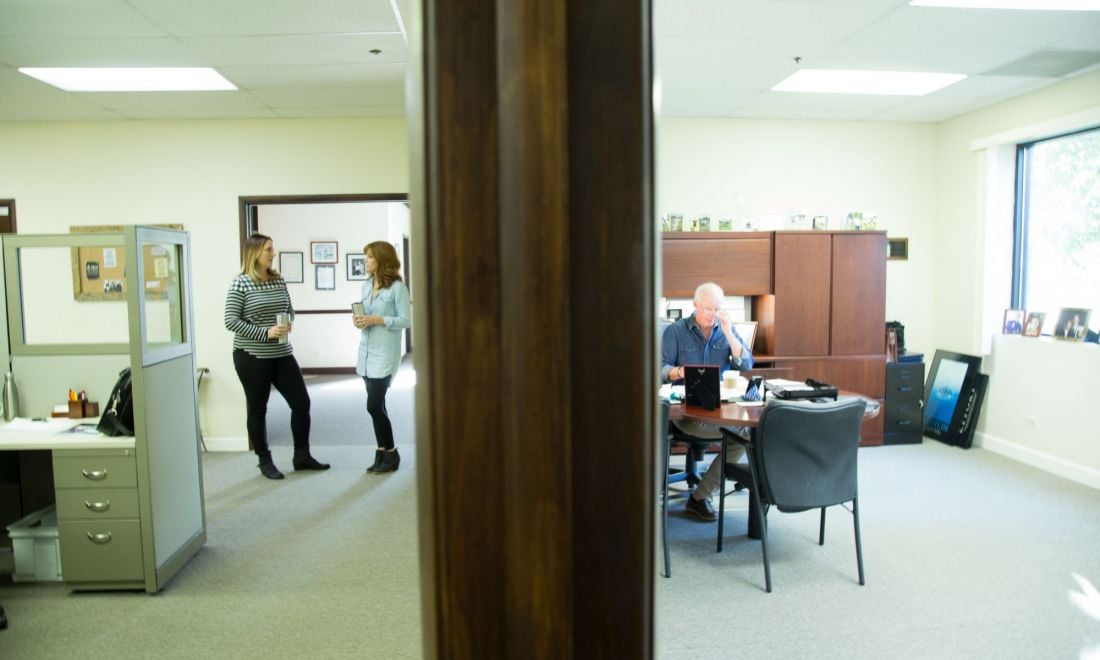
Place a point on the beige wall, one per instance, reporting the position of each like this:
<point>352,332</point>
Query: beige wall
<point>1040,407</point>
<point>192,172</point>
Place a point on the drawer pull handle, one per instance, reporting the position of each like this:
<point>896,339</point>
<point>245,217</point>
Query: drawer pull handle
<point>905,388</point>
<point>902,422</point>
<point>101,539</point>
<point>97,506</point>
<point>95,475</point>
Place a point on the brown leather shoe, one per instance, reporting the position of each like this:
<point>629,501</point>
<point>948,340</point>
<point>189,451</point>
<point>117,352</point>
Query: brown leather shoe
<point>701,508</point>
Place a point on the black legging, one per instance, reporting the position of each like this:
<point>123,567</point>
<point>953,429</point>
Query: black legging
<point>258,376</point>
<point>376,406</point>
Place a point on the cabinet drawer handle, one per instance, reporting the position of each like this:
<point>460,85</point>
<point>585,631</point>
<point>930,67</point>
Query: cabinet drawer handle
<point>905,388</point>
<point>97,506</point>
<point>100,538</point>
<point>901,422</point>
<point>95,475</point>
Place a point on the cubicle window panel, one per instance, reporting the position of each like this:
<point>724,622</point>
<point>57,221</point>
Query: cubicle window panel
<point>162,311</point>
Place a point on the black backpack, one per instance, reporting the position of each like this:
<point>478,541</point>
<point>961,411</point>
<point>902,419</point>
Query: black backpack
<point>118,418</point>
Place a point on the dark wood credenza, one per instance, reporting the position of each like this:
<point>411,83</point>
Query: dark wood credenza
<point>819,298</point>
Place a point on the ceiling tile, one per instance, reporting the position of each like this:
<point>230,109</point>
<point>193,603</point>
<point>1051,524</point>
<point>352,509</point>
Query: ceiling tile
<point>684,51</point>
<point>95,51</point>
<point>705,103</point>
<point>915,57</point>
<point>247,17</point>
<point>347,111</point>
<point>766,19</point>
<point>173,101</point>
<point>298,50</point>
<point>73,18</point>
<point>971,27</point>
<point>319,75</point>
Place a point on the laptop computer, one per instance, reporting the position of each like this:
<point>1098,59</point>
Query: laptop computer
<point>702,386</point>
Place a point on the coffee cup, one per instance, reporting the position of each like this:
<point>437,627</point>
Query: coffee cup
<point>729,379</point>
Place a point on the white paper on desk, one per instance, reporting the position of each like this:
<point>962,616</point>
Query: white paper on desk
<point>750,404</point>
<point>732,393</point>
<point>782,384</point>
<point>22,424</point>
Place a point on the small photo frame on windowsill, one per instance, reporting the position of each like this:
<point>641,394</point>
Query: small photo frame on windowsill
<point>1013,322</point>
<point>324,278</point>
<point>1072,324</point>
<point>1034,325</point>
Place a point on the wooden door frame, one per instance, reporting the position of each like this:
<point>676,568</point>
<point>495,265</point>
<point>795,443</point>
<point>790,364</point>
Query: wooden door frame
<point>535,239</point>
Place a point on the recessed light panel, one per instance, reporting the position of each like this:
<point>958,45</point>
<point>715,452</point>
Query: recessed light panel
<point>850,81</point>
<point>174,79</point>
<point>1048,5</point>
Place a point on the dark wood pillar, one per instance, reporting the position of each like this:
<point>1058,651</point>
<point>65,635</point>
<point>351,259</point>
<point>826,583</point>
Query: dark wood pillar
<point>534,250</point>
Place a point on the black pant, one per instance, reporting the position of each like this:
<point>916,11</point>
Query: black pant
<point>258,376</point>
<point>376,406</point>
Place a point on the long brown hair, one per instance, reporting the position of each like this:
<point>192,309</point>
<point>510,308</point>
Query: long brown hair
<point>250,261</point>
<point>389,266</point>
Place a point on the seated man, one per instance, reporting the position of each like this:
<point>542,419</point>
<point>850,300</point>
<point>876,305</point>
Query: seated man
<point>705,337</point>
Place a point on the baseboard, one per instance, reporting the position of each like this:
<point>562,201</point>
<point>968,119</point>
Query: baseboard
<point>227,443</point>
<point>1083,475</point>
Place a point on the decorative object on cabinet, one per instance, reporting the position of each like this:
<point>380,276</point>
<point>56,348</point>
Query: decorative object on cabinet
<point>664,222</point>
<point>324,252</point>
<point>674,314</point>
<point>797,221</point>
<point>1013,322</point>
<point>870,221</point>
<point>820,222</point>
<point>897,249</point>
<point>749,224</point>
<point>854,220</point>
<point>702,223</point>
<point>1072,324</point>
<point>725,224</point>
<point>676,222</point>
<point>290,267</point>
<point>1034,325</point>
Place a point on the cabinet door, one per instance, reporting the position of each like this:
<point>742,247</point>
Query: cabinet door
<point>859,294</point>
<point>740,265</point>
<point>802,285</point>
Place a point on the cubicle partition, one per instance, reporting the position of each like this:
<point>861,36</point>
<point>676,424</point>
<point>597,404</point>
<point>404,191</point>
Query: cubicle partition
<point>80,308</point>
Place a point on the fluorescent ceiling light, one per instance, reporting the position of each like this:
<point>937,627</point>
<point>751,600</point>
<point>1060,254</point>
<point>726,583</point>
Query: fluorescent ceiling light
<point>177,79</point>
<point>848,81</point>
<point>1050,5</point>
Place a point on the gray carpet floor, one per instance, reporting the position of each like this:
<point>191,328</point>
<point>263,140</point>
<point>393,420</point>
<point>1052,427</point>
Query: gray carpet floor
<point>968,555</point>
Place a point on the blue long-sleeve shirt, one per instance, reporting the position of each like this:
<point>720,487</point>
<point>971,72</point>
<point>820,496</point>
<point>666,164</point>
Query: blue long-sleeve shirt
<point>683,343</point>
<point>380,345</point>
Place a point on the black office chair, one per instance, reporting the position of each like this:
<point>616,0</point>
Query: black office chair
<point>803,456</point>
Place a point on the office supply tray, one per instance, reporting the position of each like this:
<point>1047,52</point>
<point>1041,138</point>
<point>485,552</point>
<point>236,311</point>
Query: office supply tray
<point>812,389</point>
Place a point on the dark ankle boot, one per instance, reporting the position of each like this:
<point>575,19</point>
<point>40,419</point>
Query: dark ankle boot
<point>307,462</point>
<point>390,461</point>
<point>268,469</point>
<point>377,460</point>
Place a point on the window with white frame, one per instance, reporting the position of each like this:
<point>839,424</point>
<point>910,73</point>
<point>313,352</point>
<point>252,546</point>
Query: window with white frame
<point>1057,252</point>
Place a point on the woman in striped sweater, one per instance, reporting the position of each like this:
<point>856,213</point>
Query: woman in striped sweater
<point>263,356</point>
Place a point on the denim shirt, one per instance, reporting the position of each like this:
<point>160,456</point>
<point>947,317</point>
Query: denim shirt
<point>683,343</point>
<point>380,345</point>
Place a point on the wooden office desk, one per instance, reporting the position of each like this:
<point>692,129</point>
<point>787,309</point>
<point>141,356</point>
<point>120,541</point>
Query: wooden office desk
<point>733,414</point>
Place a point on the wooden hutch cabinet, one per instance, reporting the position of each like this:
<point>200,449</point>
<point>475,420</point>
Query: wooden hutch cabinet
<point>821,308</point>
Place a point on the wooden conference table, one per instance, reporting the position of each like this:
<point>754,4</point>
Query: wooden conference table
<point>732,414</point>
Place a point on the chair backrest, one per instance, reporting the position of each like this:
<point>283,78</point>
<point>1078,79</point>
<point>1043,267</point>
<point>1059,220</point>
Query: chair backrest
<point>806,453</point>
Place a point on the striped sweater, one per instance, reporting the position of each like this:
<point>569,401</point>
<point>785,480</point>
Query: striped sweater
<point>250,309</point>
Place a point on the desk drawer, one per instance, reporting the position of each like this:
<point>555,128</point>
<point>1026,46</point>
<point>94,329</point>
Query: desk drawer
<point>94,472</point>
<point>101,551</point>
<point>905,380</point>
<point>903,416</point>
<point>96,503</point>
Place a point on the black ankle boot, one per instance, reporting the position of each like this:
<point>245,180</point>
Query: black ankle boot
<point>307,462</point>
<point>377,460</point>
<point>390,462</point>
<point>269,470</point>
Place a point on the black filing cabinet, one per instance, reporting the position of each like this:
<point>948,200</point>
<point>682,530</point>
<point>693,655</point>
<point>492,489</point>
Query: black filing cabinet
<point>904,391</point>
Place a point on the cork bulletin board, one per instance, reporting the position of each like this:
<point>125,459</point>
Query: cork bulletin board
<point>99,272</point>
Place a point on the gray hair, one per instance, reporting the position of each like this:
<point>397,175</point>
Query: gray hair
<point>711,288</point>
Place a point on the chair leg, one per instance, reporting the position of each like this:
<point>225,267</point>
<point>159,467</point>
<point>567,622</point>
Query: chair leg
<point>721,491</point>
<point>859,546</point>
<point>761,516</point>
<point>821,533</point>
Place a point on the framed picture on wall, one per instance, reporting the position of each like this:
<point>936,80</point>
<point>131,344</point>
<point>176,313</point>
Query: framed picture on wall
<point>324,252</point>
<point>290,267</point>
<point>325,278</point>
<point>357,266</point>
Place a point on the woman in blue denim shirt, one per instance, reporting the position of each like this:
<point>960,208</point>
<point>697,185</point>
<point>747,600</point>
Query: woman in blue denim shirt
<point>386,315</point>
